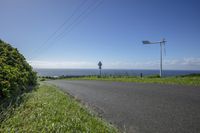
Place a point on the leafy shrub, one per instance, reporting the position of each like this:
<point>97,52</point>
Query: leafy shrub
<point>16,75</point>
<point>190,75</point>
<point>153,76</point>
<point>42,79</point>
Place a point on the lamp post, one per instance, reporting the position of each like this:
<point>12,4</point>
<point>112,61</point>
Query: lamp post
<point>161,47</point>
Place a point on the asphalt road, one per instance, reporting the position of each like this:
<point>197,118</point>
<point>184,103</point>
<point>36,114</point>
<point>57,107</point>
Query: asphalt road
<point>140,108</point>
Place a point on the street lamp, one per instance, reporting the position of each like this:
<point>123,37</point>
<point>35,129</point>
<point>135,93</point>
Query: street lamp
<point>162,43</point>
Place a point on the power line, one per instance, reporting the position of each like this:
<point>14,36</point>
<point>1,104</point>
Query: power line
<point>85,13</point>
<point>68,19</point>
<point>78,20</point>
<point>61,26</point>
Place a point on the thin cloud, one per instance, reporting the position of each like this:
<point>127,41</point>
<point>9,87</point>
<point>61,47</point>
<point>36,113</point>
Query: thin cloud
<point>180,64</point>
<point>60,64</point>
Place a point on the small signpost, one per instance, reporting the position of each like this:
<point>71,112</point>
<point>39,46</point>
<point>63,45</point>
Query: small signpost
<point>100,67</point>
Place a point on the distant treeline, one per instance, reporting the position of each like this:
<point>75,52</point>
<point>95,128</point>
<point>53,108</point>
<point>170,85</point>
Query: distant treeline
<point>63,76</point>
<point>190,75</point>
<point>16,75</point>
<point>82,76</point>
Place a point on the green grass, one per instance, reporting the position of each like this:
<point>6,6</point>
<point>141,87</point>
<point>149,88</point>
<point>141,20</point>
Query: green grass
<point>49,110</point>
<point>193,80</point>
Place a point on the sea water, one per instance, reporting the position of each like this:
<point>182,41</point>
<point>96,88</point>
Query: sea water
<point>122,72</point>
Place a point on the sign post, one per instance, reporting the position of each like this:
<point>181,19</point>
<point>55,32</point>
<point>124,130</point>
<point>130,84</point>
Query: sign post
<point>100,67</point>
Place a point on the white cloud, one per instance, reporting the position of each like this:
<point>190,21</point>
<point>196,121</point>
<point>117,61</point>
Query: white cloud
<point>185,63</point>
<point>60,64</point>
<point>182,64</point>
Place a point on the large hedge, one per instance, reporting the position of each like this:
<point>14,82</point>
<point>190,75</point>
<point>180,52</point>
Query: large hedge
<point>16,75</point>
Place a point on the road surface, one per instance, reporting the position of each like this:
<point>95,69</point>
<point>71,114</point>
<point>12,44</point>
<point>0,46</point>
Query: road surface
<point>138,107</point>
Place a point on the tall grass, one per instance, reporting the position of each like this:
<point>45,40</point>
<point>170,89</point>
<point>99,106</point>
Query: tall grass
<point>49,110</point>
<point>192,80</point>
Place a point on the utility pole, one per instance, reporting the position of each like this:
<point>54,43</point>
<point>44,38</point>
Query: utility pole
<point>162,43</point>
<point>160,59</point>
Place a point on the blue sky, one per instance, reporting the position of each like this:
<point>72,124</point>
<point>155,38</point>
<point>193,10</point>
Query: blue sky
<point>111,31</point>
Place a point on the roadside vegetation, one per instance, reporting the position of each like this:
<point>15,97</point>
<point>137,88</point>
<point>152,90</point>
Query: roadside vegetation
<point>48,109</point>
<point>26,106</point>
<point>191,79</point>
<point>16,75</point>
<point>16,78</point>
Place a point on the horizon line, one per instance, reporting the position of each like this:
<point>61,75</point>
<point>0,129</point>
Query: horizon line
<point>122,69</point>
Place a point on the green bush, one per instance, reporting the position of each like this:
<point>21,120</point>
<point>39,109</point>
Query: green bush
<point>16,75</point>
<point>42,79</point>
<point>153,76</point>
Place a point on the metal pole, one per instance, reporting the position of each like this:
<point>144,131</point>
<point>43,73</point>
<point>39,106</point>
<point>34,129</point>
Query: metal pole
<point>160,59</point>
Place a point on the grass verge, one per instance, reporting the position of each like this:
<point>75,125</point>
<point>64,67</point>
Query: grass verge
<point>193,80</point>
<point>48,109</point>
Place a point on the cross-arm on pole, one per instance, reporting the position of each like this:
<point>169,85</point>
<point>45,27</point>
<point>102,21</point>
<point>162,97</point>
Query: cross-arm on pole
<point>161,43</point>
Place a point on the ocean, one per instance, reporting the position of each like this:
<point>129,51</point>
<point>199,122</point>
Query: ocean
<point>123,72</point>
